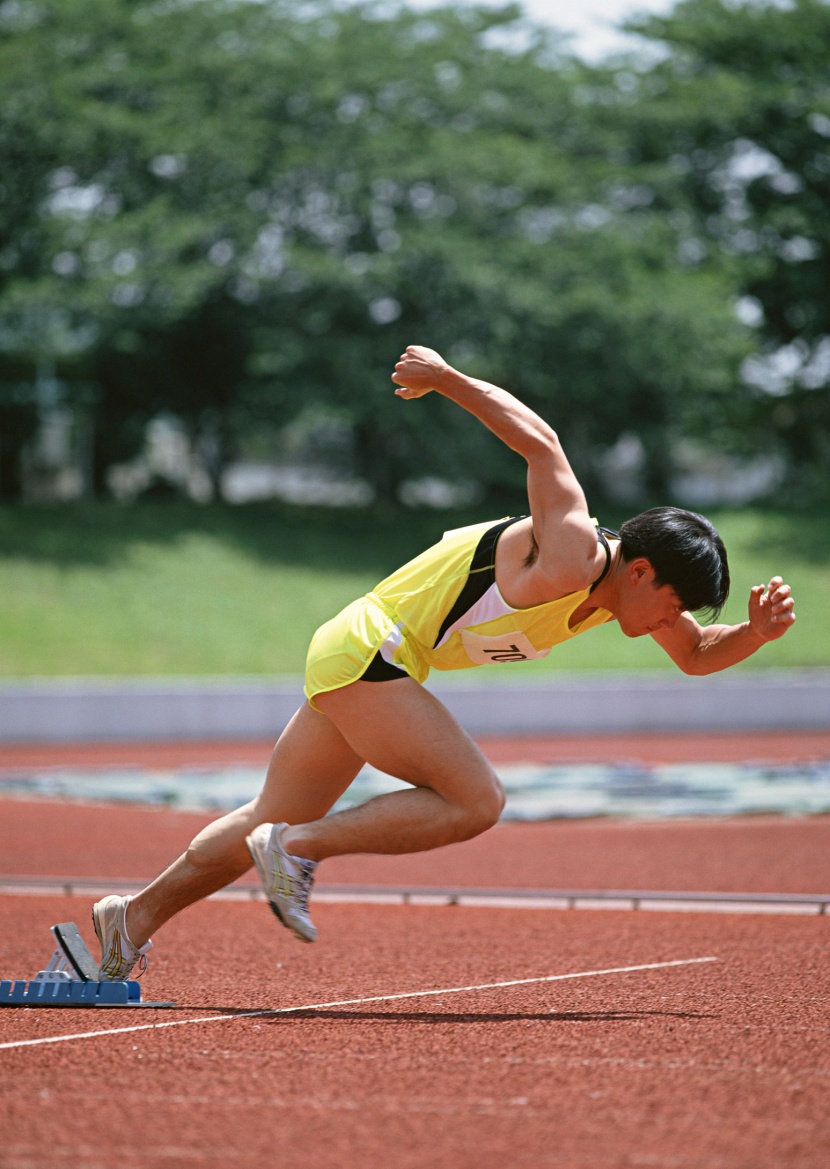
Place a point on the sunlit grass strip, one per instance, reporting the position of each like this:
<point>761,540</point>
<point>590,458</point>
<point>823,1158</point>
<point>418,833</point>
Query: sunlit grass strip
<point>178,589</point>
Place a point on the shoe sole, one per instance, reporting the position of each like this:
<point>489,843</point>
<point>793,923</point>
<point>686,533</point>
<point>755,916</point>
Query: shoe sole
<point>275,909</point>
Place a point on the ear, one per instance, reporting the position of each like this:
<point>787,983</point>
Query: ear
<point>640,571</point>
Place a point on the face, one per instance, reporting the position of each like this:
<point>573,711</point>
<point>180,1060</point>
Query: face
<point>644,606</point>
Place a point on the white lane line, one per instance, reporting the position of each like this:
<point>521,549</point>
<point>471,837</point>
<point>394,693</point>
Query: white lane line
<point>381,998</point>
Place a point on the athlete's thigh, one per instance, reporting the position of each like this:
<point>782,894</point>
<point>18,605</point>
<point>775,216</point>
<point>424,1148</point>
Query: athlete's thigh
<point>402,729</point>
<point>311,766</point>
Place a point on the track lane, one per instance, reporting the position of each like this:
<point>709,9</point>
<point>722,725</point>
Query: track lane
<point>720,1065</point>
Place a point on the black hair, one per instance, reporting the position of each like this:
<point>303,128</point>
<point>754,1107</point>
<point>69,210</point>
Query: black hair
<point>685,552</point>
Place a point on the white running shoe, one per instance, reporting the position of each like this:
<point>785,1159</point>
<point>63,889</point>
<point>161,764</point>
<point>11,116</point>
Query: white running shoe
<point>287,879</point>
<point>118,954</point>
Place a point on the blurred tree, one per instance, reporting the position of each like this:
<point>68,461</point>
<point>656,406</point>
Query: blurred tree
<point>234,211</point>
<point>735,119</point>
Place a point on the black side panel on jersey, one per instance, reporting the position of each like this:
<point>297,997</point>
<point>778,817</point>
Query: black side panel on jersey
<point>481,575</point>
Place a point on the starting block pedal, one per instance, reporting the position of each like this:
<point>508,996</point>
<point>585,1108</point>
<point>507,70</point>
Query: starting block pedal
<point>75,951</point>
<point>70,979</point>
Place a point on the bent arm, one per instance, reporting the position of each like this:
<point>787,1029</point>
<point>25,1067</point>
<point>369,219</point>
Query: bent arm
<point>706,649</point>
<point>562,527</point>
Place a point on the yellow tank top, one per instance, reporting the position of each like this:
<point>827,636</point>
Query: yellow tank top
<point>442,610</point>
<point>448,612</point>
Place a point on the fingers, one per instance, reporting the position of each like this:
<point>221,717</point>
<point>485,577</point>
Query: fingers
<point>400,376</point>
<point>777,596</point>
<point>404,364</point>
<point>775,591</point>
<point>416,371</point>
<point>783,610</point>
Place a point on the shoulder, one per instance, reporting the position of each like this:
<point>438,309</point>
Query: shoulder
<point>529,571</point>
<point>571,557</point>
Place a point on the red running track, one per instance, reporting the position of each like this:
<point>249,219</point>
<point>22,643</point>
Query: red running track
<point>710,1065</point>
<point>717,747</point>
<point>745,855</point>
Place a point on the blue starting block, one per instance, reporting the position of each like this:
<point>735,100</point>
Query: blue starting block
<point>69,992</point>
<point>68,980</point>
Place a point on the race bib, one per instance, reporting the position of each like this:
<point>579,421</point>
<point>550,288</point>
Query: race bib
<point>501,647</point>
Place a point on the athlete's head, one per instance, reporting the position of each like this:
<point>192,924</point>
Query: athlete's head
<point>685,552</point>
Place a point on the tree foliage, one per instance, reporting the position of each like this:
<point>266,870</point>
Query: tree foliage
<point>238,212</point>
<point>736,120</point>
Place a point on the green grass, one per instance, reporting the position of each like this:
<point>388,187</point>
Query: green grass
<point>171,588</point>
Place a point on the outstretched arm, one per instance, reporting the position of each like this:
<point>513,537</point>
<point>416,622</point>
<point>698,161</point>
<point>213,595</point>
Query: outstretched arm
<point>705,649</point>
<point>562,527</point>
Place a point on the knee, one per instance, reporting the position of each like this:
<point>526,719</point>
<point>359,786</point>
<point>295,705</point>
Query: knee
<point>485,811</point>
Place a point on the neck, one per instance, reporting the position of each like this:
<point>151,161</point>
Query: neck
<point>605,594</point>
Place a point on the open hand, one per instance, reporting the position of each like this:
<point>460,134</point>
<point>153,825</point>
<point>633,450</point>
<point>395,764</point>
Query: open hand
<point>771,609</point>
<point>417,371</point>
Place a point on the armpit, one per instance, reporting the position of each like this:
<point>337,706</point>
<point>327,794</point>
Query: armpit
<point>533,553</point>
